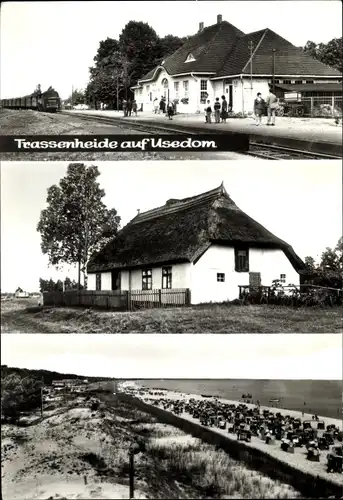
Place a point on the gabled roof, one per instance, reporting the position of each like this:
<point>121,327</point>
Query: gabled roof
<point>289,60</point>
<point>181,230</point>
<point>209,48</point>
<point>222,50</point>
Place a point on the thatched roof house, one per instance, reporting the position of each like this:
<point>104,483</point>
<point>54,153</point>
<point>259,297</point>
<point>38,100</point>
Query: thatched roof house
<point>183,234</point>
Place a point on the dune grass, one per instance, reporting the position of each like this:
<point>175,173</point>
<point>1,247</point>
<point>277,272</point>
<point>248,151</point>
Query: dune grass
<point>178,465</point>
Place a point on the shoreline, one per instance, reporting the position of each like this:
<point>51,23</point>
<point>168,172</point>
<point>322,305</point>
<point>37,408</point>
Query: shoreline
<point>297,460</point>
<point>175,394</point>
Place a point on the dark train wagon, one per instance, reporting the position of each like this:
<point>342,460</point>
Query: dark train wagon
<point>45,101</point>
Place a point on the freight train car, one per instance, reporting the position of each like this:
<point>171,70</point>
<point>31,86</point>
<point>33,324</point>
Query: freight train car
<point>44,101</point>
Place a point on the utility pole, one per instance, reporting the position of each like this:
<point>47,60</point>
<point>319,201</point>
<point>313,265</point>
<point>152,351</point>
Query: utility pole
<point>72,95</point>
<point>132,474</point>
<point>41,398</point>
<point>251,50</point>
<point>117,93</point>
<point>273,71</point>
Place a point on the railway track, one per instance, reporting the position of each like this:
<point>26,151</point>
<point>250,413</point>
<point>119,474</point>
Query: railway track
<point>256,149</point>
<point>273,152</point>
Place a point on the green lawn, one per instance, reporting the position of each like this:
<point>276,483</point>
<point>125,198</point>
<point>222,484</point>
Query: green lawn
<point>221,318</point>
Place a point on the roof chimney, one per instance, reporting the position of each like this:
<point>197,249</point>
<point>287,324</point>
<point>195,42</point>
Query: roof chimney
<point>201,27</point>
<point>219,19</point>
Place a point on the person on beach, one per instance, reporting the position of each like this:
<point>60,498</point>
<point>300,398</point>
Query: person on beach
<point>208,112</point>
<point>259,107</point>
<point>272,104</point>
<point>217,107</point>
<point>224,113</point>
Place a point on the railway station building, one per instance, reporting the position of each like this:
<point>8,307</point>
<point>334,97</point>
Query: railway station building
<point>204,243</point>
<point>222,60</point>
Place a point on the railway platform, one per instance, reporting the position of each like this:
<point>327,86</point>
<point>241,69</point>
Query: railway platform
<point>318,135</point>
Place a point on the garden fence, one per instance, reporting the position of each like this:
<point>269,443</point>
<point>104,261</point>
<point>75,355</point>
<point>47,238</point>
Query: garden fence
<point>306,294</point>
<point>119,300</point>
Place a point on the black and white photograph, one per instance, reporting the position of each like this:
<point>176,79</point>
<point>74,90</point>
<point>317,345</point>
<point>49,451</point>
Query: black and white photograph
<point>171,248</point>
<point>176,67</point>
<point>171,417</point>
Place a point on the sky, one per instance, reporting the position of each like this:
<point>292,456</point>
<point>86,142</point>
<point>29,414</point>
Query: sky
<point>247,356</point>
<point>298,201</point>
<point>54,43</point>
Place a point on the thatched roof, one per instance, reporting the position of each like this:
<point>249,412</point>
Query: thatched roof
<point>182,230</point>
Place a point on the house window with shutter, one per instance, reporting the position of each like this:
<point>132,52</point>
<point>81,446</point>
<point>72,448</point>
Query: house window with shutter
<point>283,278</point>
<point>221,277</point>
<point>242,260</point>
<point>98,281</point>
<point>166,277</point>
<point>147,279</point>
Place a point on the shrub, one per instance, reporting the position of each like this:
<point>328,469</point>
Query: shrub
<point>19,394</point>
<point>94,406</point>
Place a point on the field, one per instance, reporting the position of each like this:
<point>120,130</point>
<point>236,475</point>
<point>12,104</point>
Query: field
<point>323,397</point>
<point>76,451</point>
<point>221,318</point>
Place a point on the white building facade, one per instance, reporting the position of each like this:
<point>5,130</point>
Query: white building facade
<point>222,60</point>
<point>192,91</point>
<point>212,278</point>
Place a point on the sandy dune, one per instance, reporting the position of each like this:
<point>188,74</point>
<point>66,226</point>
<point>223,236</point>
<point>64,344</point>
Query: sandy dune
<point>52,458</point>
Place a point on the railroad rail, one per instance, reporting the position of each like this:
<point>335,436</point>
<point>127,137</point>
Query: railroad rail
<point>273,152</point>
<point>256,149</point>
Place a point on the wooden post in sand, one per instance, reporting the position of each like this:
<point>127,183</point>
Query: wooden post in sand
<point>134,449</point>
<point>132,474</point>
<point>41,398</point>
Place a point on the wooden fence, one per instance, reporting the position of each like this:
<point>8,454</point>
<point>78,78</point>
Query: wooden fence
<point>119,300</point>
<point>305,294</point>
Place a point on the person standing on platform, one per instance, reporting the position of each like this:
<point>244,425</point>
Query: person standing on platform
<point>259,107</point>
<point>129,107</point>
<point>272,104</point>
<point>170,110</point>
<point>208,111</point>
<point>224,113</point>
<point>217,110</point>
<point>125,107</point>
<point>162,105</point>
<point>134,107</point>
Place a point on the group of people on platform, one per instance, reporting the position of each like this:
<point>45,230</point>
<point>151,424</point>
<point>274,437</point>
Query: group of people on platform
<point>130,107</point>
<point>161,106</point>
<point>220,110</point>
<point>270,103</point>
